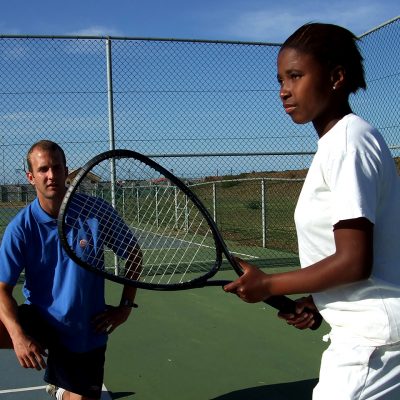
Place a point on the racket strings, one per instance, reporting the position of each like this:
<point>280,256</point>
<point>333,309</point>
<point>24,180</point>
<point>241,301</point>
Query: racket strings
<point>175,240</point>
<point>192,260</point>
<point>167,263</point>
<point>163,231</point>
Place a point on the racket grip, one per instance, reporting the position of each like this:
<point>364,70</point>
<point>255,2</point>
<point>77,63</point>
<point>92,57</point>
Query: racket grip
<point>288,306</point>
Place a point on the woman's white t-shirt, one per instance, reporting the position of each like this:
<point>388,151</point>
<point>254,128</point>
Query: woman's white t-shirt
<point>353,175</point>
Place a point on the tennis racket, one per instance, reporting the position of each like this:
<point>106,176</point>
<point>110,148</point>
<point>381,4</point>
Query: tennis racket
<point>129,219</point>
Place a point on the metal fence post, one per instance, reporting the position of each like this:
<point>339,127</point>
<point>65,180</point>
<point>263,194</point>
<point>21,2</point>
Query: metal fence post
<point>111,129</point>
<point>214,202</point>
<point>264,212</point>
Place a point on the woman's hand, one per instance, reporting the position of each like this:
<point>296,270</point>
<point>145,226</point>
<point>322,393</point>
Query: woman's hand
<point>302,319</point>
<point>252,286</point>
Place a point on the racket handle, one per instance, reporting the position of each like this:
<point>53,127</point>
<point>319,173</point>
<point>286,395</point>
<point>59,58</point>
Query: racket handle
<point>282,303</point>
<point>288,306</point>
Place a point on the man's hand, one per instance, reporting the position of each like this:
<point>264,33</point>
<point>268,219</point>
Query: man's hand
<point>30,353</point>
<point>109,320</point>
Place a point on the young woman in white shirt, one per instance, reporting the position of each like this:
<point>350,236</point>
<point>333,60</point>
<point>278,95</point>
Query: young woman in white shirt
<point>347,221</point>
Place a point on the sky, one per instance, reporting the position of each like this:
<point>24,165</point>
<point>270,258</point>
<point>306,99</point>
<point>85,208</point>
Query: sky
<point>268,21</point>
<point>232,20</point>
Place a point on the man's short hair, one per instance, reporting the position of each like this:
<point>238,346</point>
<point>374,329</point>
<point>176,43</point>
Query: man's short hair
<point>46,145</point>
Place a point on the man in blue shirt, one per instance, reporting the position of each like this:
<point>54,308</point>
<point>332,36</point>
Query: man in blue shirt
<point>64,317</point>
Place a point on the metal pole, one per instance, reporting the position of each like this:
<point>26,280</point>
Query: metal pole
<point>214,202</point>
<point>123,202</point>
<point>176,206</point>
<point>111,131</point>
<point>137,205</point>
<point>156,201</point>
<point>186,214</point>
<point>264,212</point>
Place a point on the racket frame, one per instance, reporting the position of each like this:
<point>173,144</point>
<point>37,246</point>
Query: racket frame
<point>220,247</point>
<point>282,303</point>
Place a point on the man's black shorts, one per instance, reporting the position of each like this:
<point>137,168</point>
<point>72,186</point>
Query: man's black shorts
<point>80,373</point>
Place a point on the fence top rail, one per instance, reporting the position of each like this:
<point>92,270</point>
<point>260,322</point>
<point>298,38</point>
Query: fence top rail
<point>212,182</point>
<point>390,21</point>
<point>157,39</point>
<point>275,179</point>
<point>136,38</point>
<point>237,154</point>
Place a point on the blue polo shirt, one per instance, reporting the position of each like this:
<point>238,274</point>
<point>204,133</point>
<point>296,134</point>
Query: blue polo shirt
<point>67,295</point>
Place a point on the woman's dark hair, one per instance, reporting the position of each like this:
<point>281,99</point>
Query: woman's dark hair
<point>333,46</point>
<point>46,145</point>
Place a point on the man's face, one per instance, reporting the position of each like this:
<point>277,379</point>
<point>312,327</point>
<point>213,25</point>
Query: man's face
<point>48,174</point>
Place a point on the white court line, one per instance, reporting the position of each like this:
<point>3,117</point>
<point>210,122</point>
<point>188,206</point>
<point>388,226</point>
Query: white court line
<point>27,389</point>
<point>175,239</point>
<point>104,394</point>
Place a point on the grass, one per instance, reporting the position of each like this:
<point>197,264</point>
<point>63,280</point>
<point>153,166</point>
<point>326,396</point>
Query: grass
<point>239,213</point>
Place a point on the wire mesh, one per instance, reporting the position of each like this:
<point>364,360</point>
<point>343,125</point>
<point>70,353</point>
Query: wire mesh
<point>208,111</point>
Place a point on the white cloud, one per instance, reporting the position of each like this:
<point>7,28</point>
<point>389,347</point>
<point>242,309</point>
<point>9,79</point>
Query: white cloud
<point>274,25</point>
<point>96,30</point>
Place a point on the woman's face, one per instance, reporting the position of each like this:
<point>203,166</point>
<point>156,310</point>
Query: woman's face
<point>306,87</point>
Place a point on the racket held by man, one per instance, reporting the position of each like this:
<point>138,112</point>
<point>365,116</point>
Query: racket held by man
<point>129,219</point>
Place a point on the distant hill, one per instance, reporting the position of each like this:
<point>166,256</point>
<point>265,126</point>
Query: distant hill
<point>288,174</point>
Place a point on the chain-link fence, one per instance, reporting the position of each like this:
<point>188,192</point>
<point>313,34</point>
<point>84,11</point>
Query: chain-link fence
<point>209,111</point>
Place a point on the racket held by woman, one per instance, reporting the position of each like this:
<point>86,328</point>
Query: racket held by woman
<point>126,217</point>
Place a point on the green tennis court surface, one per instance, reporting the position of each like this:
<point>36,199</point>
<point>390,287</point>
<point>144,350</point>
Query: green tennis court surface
<point>200,344</point>
<point>206,344</point>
